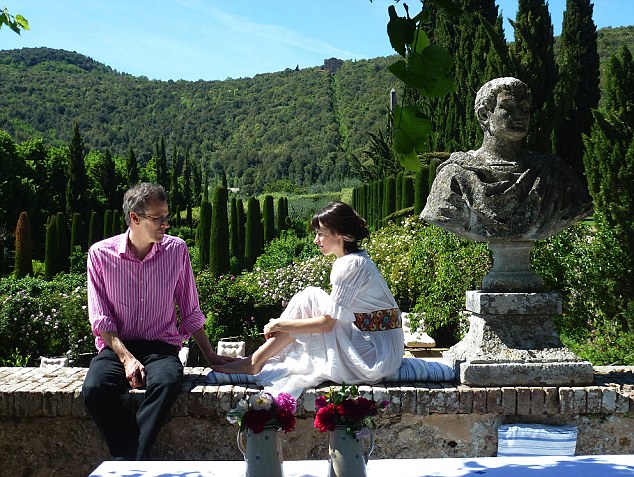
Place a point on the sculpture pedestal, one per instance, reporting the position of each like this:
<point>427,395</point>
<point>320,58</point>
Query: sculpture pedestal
<point>512,341</point>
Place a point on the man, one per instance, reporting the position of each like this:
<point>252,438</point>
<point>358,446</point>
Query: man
<point>134,281</point>
<point>500,191</point>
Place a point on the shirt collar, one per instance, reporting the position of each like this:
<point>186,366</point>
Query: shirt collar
<point>123,247</point>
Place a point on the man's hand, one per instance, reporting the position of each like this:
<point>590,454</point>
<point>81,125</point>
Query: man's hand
<point>135,372</point>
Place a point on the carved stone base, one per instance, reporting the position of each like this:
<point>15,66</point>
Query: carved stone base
<point>512,341</point>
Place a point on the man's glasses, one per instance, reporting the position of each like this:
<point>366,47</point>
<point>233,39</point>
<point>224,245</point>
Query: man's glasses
<point>159,220</point>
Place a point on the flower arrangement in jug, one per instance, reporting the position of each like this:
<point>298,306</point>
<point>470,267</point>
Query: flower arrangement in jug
<point>265,410</point>
<point>344,407</point>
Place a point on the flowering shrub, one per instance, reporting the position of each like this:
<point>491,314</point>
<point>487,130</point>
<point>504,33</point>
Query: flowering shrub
<point>346,408</point>
<point>264,410</point>
<point>44,318</point>
<point>391,250</point>
<point>280,285</point>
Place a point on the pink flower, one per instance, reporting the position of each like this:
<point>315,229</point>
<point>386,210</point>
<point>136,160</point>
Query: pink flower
<point>285,402</point>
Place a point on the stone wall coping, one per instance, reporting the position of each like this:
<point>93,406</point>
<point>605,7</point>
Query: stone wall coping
<point>45,392</point>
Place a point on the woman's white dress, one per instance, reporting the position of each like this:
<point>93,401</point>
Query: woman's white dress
<point>345,354</point>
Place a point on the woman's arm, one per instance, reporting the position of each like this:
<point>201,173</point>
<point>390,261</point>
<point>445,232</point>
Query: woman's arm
<point>319,324</point>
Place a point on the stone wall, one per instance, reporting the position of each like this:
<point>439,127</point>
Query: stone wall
<point>45,430</point>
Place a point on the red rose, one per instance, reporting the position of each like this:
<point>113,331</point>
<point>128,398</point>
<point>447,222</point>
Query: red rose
<point>286,420</point>
<point>256,419</point>
<point>320,402</point>
<point>354,410</point>
<point>325,418</point>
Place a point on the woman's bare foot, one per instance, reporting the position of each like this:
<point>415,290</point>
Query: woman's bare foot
<point>244,366</point>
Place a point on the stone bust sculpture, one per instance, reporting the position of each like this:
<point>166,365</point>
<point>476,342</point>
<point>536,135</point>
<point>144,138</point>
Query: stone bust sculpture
<point>501,192</point>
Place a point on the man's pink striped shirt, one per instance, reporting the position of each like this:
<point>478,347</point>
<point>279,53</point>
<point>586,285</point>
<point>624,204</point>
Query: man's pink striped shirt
<point>137,298</point>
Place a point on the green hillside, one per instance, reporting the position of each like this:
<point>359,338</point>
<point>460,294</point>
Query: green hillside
<point>300,125</point>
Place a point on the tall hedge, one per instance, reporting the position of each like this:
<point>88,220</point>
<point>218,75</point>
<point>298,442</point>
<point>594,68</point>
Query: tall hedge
<point>51,267</point>
<point>254,233</point>
<point>76,232</point>
<point>204,233</point>
<point>421,189</point>
<point>407,195</point>
<point>241,231</point>
<point>107,223</point>
<point>219,262</point>
<point>23,247</point>
<point>389,196</point>
<point>63,244</point>
<point>268,218</point>
<point>95,231</point>
<point>282,215</point>
<point>399,190</point>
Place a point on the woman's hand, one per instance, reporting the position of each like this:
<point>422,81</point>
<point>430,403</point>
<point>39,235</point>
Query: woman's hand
<point>271,327</point>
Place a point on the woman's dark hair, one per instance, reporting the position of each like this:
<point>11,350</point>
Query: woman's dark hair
<point>338,217</point>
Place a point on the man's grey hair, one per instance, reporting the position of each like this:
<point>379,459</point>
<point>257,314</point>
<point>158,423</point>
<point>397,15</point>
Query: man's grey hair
<point>488,94</point>
<point>138,196</point>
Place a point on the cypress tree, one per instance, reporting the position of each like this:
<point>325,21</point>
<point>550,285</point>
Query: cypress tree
<point>107,223</point>
<point>421,189</point>
<point>234,244</point>
<point>132,168</point>
<point>161,163</point>
<point>94,229</point>
<point>219,262</point>
<point>76,240</point>
<point>23,248</point>
<point>187,189</point>
<point>476,61</point>
<point>174,193</point>
<point>609,161</point>
<point>577,92</point>
<point>268,218</point>
<point>254,233</point>
<point>204,233</point>
<point>535,60</point>
<point>77,183</point>
<point>399,190</point>
<point>76,232</point>
<point>433,165</point>
<point>51,267</point>
<point>281,217</point>
<point>378,204</point>
<point>241,232</point>
<point>63,246</point>
<point>408,192</point>
<point>116,222</point>
<point>389,196</point>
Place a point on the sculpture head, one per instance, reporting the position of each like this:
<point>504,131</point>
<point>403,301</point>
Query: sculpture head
<point>502,107</point>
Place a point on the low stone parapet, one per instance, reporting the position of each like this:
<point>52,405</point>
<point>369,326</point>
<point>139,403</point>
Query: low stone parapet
<point>46,431</point>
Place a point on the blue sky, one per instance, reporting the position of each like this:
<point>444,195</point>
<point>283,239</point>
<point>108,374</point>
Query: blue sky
<point>220,39</point>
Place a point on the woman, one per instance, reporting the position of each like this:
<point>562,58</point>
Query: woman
<point>351,336</point>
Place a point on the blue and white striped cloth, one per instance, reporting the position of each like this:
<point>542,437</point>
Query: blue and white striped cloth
<point>411,370</point>
<point>536,439</point>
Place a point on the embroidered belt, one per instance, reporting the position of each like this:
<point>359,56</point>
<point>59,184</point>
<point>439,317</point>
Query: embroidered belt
<point>379,320</point>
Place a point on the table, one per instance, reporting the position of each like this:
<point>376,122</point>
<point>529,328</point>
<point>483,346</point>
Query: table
<point>550,466</point>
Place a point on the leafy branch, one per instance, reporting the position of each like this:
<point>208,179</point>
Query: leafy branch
<point>425,67</point>
<point>16,23</point>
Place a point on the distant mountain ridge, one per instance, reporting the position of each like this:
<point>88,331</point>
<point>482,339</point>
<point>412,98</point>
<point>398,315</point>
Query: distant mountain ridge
<point>302,125</point>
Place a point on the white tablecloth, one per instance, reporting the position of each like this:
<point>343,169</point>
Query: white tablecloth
<point>578,466</point>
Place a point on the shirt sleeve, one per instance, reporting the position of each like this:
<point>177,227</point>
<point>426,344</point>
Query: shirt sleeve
<point>99,313</point>
<point>348,277</point>
<point>186,296</point>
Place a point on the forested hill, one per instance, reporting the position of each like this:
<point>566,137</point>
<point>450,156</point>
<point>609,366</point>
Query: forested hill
<point>296,124</point>
<point>300,125</point>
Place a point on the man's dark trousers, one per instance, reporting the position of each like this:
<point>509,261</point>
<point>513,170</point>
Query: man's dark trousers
<point>128,435</point>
